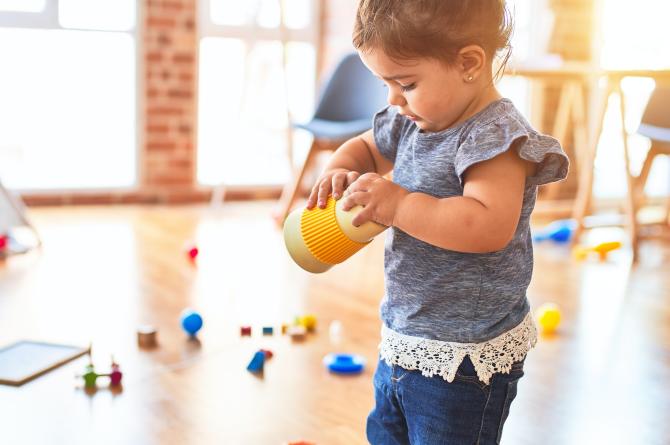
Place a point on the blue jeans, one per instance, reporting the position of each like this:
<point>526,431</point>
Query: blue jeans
<point>413,409</point>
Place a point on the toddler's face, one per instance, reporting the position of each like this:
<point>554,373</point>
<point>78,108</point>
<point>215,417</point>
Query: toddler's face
<point>428,92</point>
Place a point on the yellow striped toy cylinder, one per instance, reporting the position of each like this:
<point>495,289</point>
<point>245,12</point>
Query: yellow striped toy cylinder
<point>318,239</point>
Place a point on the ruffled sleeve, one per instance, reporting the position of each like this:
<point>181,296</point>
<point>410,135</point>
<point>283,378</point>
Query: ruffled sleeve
<point>494,138</point>
<point>388,128</point>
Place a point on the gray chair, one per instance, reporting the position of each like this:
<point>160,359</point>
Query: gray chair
<point>655,124</point>
<point>348,101</point>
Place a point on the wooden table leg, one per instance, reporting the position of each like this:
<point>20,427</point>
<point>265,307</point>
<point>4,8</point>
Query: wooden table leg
<point>580,132</point>
<point>560,130</point>
<point>585,186</point>
<point>631,202</point>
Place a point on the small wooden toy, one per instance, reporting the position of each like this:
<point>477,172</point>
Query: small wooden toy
<point>191,321</point>
<point>116,375</point>
<point>90,376</point>
<point>548,317</point>
<point>268,353</point>
<point>284,328</point>
<point>344,363</point>
<point>257,362</point>
<point>297,332</point>
<point>317,239</point>
<point>602,249</point>
<point>147,336</point>
<point>268,330</point>
<point>245,331</point>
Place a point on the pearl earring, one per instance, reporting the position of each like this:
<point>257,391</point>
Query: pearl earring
<point>470,78</point>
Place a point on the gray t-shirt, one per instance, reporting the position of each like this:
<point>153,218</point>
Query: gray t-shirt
<point>452,296</point>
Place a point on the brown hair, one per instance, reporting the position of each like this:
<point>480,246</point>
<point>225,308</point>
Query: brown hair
<point>438,29</point>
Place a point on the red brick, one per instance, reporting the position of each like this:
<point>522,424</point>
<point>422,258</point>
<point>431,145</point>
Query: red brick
<point>186,77</point>
<point>157,129</point>
<point>179,94</point>
<point>160,22</point>
<point>164,111</point>
<point>182,57</point>
<point>162,145</point>
<point>153,57</point>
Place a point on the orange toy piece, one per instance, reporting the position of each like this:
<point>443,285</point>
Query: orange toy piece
<point>602,249</point>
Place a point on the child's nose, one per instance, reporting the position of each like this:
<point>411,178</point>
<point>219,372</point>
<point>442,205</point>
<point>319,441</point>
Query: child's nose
<point>395,98</point>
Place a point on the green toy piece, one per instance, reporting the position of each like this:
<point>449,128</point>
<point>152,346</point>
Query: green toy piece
<point>90,376</point>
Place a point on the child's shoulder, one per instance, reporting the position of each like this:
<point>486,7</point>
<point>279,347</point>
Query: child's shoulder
<point>501,123</point>
<point>498,114</point>
<point>501,126</point>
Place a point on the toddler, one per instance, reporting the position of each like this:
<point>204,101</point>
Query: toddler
<point>458,258</point>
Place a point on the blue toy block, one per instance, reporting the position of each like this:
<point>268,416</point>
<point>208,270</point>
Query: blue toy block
<point>268,330</point>
<point>558,231</point>
<point>257,362</point>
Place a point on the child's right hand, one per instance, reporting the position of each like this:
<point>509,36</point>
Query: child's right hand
<point>333,182</point>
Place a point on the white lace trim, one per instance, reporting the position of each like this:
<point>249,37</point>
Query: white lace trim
<point>434,357</point>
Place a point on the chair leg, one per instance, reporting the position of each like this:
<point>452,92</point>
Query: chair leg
<point>641,179</point>
<point>292,189</point>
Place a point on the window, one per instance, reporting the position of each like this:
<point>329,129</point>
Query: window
<point>254,73</point>
<point>68,89</point>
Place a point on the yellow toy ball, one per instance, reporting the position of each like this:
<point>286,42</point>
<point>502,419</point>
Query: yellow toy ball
<point>548,317</point>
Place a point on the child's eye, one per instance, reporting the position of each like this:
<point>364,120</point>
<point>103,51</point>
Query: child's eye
<point>409,87</point>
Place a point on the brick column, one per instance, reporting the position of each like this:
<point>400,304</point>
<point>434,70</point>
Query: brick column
<point>168,35</point>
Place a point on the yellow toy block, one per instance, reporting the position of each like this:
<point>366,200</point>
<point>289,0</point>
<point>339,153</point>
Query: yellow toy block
<point>602,249</point>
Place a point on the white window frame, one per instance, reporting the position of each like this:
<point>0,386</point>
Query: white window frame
<point>48,19</point>
<point>252,33</point>
<point>255,32</point>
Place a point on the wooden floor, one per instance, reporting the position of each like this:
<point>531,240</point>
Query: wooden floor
<point>604,379</point>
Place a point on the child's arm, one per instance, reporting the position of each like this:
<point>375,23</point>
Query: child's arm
<point>483,220</point>
<point>356,156</point>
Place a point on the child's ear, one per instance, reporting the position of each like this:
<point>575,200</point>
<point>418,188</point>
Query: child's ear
<point>471,62</point>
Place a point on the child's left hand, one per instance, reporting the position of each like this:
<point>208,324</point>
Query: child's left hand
<point>379,196</point>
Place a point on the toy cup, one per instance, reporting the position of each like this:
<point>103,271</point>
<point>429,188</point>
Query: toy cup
<point>318,239</point>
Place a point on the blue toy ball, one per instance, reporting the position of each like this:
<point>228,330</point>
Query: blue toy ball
<point>344,363</point>
<point>191,321</point>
